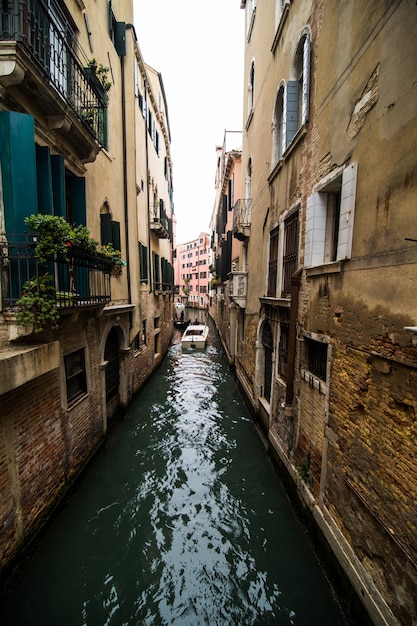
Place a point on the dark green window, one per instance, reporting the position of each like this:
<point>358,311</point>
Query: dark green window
<point>75,375</point>
<point>143,262</point>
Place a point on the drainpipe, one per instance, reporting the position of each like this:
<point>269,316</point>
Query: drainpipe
<point>125,191</point>
<point>289,395</point>
<point>148,207</point>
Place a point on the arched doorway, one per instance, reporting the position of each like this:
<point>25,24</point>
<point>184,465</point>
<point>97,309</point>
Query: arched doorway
<point>268,346</point>
<point>111,355</point>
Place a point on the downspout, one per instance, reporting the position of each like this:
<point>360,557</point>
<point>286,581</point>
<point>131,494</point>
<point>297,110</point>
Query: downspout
<point>292,335</point>
<point>125,188</point>
<point>148,207</point>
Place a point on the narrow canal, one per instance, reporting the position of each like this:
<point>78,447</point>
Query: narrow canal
<point>180,520</point>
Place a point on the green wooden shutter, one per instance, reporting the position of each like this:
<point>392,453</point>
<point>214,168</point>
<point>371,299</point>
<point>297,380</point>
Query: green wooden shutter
<point>78,200</point>
<point>18,164</point>
<point>44,179</point>
<point>115,231</point>
<point>58,185</point>
<point>105,229</point>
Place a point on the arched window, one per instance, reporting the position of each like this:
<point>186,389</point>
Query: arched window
<point>298,89</point>
<point>279,125</point>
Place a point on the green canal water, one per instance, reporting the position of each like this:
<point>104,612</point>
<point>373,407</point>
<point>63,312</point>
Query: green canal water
<point>180,520</point>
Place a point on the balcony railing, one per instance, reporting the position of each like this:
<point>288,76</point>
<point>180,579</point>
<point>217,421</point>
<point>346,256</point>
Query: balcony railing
<point>41,30</point>
<point>242,219</point>
<point>159,221</point>
<point>163,288</point>
<point>238,283</point>
<point>81,281</point>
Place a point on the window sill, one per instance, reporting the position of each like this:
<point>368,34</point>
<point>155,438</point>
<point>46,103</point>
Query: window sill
<point>74,403</point>
<point>314,382</point>
<point>248,121</point>
<point>301,133</point>
<point>277,302</point>
<point>334,267</point>
<point>280,27</point>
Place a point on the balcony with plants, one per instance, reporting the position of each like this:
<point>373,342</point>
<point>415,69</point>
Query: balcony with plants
<point>242,219</point>
<point>52,270</point>
<point>39,54</point>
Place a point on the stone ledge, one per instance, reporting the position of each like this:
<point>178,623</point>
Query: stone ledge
<point>21,365</point>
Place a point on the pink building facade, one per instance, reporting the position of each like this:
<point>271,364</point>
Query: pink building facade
<point>192,271</point>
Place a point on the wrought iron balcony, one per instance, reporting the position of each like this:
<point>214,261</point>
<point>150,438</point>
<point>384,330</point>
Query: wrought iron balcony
<point>238,283</point>
<point>39,53</point>
<point>82,280</point>
<point>163,288</point>
<point>159,222</point>
<point>242,219</point>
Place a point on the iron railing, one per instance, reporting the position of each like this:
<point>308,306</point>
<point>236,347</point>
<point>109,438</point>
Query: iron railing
<point>80,280</point>
<point>242,213</point>
<point>49,39</point>
<point>164,288</point>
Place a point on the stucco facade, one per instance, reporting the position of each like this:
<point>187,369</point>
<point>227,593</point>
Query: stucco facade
<point>324,345</point>
<point>84,135</point>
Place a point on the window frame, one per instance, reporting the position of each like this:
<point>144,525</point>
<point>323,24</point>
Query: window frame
<point>81,374</point>
<point>317,228</point>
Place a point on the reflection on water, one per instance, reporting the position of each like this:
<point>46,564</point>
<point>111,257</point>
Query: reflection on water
<point>180,520</point>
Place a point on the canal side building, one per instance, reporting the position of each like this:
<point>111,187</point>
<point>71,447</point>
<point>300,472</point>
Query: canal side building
<point>192,271</point>
<point>85,142</point>
<point>227,299</point>
<point>326,349</point>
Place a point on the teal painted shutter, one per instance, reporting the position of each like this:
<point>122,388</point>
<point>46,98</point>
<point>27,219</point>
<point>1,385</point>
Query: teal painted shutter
<point>44,179</point>
<point>78,201</point>
<point>120,38</point>
<point>292,110</point>
<point>18,164</point>
<point>58,185</point>
<point>115,232</point>
<point>105,229</point>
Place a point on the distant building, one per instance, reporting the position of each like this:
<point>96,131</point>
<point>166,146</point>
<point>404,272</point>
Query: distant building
<point>192,271</point>
<point>229,252</point>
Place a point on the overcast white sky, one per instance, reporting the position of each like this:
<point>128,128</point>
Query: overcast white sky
<point>198,48</point>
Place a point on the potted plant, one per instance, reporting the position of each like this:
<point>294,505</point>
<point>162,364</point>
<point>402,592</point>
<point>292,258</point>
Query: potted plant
<point>37,304</point>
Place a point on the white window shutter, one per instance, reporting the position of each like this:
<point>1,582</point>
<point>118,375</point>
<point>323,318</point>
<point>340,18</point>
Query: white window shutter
<point>316,216</point>
<point>306,80</point>
<point>347,212</point>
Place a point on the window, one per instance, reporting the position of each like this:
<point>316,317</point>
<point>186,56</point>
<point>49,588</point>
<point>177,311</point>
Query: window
<point>279,125</point>
<point>330,218</point>
<point>290,256</point>
<point>156,268</point>
<point>109,231</point>
<point>280,7</point>
<point>143,263</point>
<point>251,88</point>
<point>75,375</point>
<point>273,263</point>
<point>248,180</point>
<point>299,88</point>
<point>250,16</point>
<point>316,358</point>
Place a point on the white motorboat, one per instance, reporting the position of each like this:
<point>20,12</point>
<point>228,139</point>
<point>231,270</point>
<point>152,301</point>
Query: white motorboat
<point>195,336</point>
